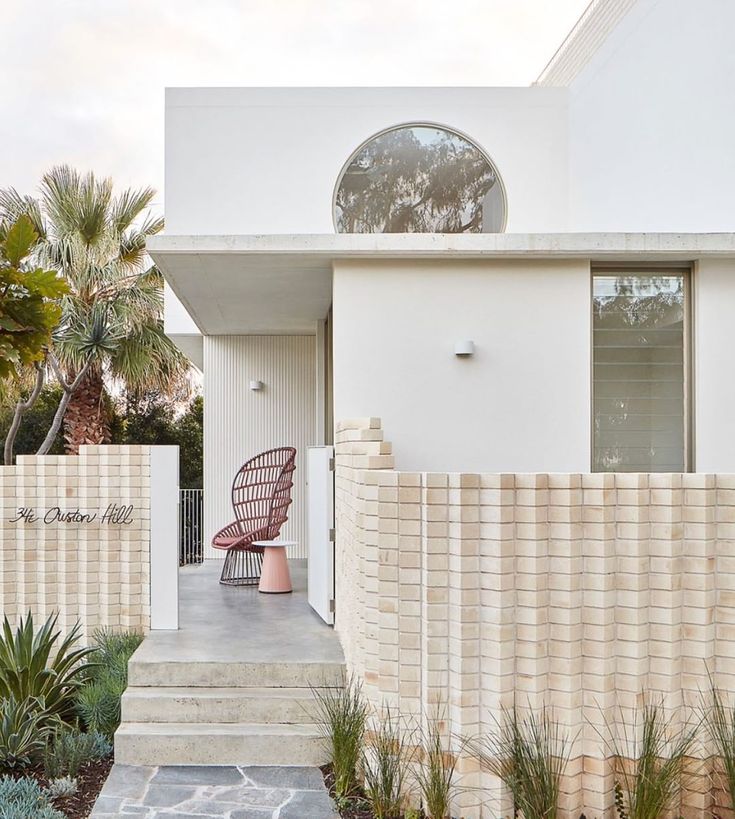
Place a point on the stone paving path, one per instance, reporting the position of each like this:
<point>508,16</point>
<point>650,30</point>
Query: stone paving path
<point>196,792</point>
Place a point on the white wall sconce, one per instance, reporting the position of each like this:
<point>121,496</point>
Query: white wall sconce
<point>464,348</point>
<point>256,385</point>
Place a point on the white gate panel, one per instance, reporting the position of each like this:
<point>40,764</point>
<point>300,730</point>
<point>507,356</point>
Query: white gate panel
<point>320,495</point>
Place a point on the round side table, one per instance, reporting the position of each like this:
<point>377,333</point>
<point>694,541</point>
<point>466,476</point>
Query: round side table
<point>275,577</point>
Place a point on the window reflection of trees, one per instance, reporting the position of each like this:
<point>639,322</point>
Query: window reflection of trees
<point>639,336</point>
<point>419,179</point>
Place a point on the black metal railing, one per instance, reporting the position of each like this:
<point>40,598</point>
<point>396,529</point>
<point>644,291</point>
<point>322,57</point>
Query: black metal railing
<point>191,526</point>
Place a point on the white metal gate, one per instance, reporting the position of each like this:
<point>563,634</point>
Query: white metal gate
<point>320,495</point>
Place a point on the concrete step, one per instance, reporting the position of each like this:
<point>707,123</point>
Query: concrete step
<point>219,705</point>
<point>237,675</point>
<point>180,743</point>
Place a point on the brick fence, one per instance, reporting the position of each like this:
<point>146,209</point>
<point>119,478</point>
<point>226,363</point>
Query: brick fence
<point>76,537</point>
<point>576,591</point>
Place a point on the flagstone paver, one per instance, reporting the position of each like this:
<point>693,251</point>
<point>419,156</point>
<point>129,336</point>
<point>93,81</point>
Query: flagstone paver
<point>224,792</point>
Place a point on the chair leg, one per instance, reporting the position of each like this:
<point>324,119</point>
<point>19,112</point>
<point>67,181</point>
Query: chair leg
<point>241,568</point>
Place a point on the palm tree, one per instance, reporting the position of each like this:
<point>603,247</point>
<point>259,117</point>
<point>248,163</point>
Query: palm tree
<point>111,329</point>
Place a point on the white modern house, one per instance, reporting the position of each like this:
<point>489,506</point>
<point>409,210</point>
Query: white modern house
<point>529,293</point>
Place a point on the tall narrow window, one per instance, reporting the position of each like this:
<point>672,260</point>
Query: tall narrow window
<point>639,371</point>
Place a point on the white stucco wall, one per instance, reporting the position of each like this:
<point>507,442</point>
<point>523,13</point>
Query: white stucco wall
<point>521,403</point>
<point>652,122</point>
<point>266,160</point>
<point>714,372</point>
<point>239,422</point>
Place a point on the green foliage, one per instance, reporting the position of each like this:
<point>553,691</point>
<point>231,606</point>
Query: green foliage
<point>342,714</point>
<point>98,703</point>
<point>36,423</point>
<point>650,761</point>
<point>22,733</point>
<point>719,721</point>
<point>529,754</point>
<point>24,798</point>
<point>116,648</point>
<point>29,311</point>
<point>385,764</point>
<point>435,774</point>
<point>113,307</point>
<point>28,671</point>
<point>66,751</point>
<point>151,418</point>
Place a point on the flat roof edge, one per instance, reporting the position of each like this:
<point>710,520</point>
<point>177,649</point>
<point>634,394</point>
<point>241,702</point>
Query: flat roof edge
<point>501,245</point>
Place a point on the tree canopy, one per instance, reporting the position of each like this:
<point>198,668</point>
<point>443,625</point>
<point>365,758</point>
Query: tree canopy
<point>29,299</point>
<point>111,318</point>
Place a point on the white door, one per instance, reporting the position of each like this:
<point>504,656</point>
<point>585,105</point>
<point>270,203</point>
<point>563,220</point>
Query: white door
<point>320,505</point>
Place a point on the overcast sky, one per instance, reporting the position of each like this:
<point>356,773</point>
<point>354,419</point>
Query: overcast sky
<point>82,81</point>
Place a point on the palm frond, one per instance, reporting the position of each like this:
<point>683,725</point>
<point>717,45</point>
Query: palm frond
<point>128,206</point>
<point>13,205</point>
<point>148,359</point>
<point>137,299</point>
<point>114,306</point>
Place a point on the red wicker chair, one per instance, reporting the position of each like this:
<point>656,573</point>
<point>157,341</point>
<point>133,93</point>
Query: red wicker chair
<point>261,495</point>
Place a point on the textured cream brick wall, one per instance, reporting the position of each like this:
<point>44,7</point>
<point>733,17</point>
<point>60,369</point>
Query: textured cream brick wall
<point>96,572</point>
<point>577,591</point>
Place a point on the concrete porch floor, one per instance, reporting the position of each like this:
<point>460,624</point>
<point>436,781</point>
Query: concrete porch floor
<point>226,624</point>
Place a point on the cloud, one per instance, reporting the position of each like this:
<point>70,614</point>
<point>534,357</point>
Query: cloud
<point>82,81</point>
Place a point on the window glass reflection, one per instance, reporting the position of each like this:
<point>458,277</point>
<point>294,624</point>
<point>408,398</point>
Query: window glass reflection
<point>419,179</point>
<point>639,372</point>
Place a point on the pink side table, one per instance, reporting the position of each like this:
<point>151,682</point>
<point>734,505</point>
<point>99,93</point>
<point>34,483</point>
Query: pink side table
<point>275,577</point>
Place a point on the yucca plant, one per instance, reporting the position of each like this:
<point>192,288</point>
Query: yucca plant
<point>719,722</point>
<point>341,716</point>
<point>32,667</point>
<point>529,754</point>
<point>435,773</point>
<point>385,766</point>
<point>649,763</point>
<point>22,733</point>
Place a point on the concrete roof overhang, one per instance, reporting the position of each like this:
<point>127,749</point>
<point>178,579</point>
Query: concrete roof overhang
<point>283,283</point>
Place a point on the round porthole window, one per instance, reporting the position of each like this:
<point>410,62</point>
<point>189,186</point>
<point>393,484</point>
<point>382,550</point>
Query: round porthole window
<point>419,179</point>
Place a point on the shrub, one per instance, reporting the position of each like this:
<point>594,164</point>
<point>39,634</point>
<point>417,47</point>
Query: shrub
<point>719,721</point>
<point>22,733</point>
<point>385,766</point>
<point>528,754</point>
<point>28,672</point>
<point>98,703</point>
<point>66,752</point>
<point>59,788</point>
<point>342,714</point>
<point>24,798</point>
<point>435,774</point>
<point>649,763</point>
<point>115,649</point>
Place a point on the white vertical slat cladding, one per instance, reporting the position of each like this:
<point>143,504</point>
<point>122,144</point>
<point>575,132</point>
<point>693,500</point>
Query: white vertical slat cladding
<point>240,422</point>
